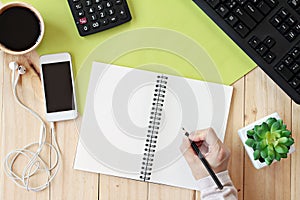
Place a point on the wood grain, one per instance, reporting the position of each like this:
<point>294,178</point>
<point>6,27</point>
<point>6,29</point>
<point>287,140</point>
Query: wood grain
<point>18,127</point>
<point>116,188</point>
<point>254,96</point>
<point>295,178</point>
<point>263,97</point>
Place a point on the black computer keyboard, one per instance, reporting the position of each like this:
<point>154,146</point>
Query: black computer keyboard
<point>268,31</point>
<point>92,16</point>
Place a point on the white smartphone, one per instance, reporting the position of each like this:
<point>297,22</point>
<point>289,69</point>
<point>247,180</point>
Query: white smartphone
<point>58,85</point>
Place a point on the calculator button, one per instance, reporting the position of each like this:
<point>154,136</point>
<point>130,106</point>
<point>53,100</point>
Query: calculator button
<point>98,1</point>
<point>95,25</point>
<point>75,1</point>
<point>104,22</point>
<point>83,20</point>
<point>101,14</point>
<point>91,10</point>
<point>80,13</point>
<point>88,2</point>
<point>122,14</point>
<point>94,17</point>
<point>108,4</point>
<point>113,19</point>
<point>118,2</point>
<point>99,7</point>
<point>111,11</point>
<point>78,6</point>
<point>86,28</point>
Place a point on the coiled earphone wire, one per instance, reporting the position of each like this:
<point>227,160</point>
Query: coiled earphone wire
<point>35,161</point>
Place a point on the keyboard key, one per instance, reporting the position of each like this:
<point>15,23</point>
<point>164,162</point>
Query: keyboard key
<point>231,19</point>
<point>231,4</point>
<point>102,14</point>
<point>291,21</point>
<point>294,3</point>
<point>276,20</point>
<point>297,28</point>
<point>108,4</point>
<point>283,13</point>
<point>295,53</point>
<point>288,60</point>
<point>244,17</point>
<point>242,2</point>
<point>99,7</point>
<point>241,29</point>
<point>291,35</point>
<point>253,12</point>
<point>113,19</point>
<point>272,3</point>
<point>283,28</point>
<point>284,72</point>
<point>269,42</point>
<point>222,10</point>
<point>295,68</point>
<point>295,83</point>
<point>213,3</point>
<point>269,57</point>
<point>263,7</point>
<point>111,11</point>
<point>254,42</point>
<point>261,49</point>
<point>98,1</point>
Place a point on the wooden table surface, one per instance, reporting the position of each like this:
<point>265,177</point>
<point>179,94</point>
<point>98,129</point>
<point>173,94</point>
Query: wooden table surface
<point>255,95</point>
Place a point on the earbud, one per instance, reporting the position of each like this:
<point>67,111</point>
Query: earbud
<point>13,65</point>
<point>21,70</point>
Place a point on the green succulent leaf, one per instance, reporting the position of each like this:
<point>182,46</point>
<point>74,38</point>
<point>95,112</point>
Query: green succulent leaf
<point>285,133</point>
<point>264,153</point>
<point>280,122</point>
<point>282,140</point>
<point>250,132</point>
<point>270,121</point>
<point>283,155</point>
<point>256,137</point>
<point>280,148</point>
<point>256,154</point>
<point>268,161</point>
<point>271,152</point>
<point>261,145</point>
<point>289,142</point>
<point>277,156</point>
<point>250,142</point>
<point>275,126</point>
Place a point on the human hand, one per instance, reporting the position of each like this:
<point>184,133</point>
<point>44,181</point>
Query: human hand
<point>215,152</point>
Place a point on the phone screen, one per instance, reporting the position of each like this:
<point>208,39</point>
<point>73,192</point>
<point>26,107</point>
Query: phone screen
<point>58,87</point>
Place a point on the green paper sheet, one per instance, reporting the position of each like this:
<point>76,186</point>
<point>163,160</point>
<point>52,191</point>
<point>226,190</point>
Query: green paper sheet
<point>170,36</point>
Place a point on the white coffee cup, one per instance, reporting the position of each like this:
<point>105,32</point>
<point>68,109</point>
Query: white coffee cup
<point>22,28</point>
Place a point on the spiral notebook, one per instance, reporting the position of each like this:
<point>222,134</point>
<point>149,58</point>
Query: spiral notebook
<point>132,119</point>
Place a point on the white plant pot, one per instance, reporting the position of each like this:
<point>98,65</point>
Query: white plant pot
<point>243,135</point>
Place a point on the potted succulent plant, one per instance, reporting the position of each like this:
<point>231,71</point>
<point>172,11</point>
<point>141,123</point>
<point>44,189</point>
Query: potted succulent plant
<point>267,140</point>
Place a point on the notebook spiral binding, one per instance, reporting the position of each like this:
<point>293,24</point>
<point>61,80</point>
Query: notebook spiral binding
<point>154,124</point>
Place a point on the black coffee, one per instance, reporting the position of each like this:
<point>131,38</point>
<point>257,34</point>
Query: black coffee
<point>19,28</point>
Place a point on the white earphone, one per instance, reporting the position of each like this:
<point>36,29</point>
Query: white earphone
<point>35,162</point>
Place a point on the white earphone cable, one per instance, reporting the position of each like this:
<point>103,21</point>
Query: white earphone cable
<point>35,162</point>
